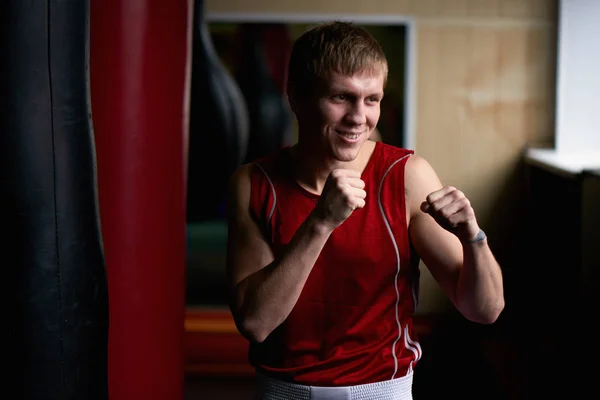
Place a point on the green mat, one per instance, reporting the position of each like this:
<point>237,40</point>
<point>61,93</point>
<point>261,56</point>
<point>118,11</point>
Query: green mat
<point>206,257</point>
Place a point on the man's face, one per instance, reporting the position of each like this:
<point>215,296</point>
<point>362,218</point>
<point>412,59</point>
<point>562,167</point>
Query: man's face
<point>343,114</point>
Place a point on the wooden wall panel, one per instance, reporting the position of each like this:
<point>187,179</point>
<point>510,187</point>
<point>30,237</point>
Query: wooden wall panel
<point>536,9</point>
<point>483,8</point>
<point>519,9</point>
<point>483,95</point>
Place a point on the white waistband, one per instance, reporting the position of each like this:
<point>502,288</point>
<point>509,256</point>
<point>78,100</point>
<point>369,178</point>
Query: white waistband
<point>396,389</point>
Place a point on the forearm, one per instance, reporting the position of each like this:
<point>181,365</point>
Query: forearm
<point>480,293</point>
<point>269,295</point>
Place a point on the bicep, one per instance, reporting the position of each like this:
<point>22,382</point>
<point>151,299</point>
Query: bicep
<point>247,249</point>
<point>439,249</point>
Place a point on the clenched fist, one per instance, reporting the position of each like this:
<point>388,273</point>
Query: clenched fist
<point>452,210</point>
<point>342,194</point>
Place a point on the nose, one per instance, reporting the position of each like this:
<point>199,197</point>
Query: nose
<point>357,114</point>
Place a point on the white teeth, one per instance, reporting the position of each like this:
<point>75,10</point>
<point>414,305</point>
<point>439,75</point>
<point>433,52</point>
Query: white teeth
<point>349,135</point>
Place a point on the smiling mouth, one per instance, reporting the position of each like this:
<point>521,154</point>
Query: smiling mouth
<point>348,135</point>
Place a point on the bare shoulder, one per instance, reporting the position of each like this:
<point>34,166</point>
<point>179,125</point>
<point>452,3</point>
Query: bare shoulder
<point>241,176</point>
<point>242,173</point>
<point>420,179</point>
<point>239,187</point>
<point>418,169</point>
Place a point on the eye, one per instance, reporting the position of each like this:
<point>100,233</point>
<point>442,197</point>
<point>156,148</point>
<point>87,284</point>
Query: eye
<point>373,99</point>
<point>340,97</point>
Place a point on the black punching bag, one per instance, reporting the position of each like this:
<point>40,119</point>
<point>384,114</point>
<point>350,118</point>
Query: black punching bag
<point>51,247</point>
<point>268,110</point>
<point>219,129</point>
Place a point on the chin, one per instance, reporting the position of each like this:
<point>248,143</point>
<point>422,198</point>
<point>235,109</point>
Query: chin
<point>346,154</point>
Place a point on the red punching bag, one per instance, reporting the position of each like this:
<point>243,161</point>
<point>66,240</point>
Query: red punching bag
<point>139,73</point>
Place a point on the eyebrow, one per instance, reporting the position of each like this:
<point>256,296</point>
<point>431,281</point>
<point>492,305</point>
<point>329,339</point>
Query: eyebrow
<point>336,89</point>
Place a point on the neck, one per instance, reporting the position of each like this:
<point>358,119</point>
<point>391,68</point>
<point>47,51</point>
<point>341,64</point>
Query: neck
<point>311,167</point>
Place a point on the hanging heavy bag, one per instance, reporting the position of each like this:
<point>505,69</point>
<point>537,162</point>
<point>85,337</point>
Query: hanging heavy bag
<point>269,113</point>
<point>139,72</point>
<point>51,246</point>
<point>219,127</point>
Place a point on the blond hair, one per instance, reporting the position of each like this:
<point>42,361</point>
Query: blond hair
<point>339,47</point>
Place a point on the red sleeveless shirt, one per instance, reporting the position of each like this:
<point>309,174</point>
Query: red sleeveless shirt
<point>353,321</point>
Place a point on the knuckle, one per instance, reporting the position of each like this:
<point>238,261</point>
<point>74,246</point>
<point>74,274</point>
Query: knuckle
<point>445,214</point>
<point>464,203</point>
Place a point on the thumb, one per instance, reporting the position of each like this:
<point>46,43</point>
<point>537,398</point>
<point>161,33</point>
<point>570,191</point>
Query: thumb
<point>425,206</point>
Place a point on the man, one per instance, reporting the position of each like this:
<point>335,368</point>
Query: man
<point>325,237</point>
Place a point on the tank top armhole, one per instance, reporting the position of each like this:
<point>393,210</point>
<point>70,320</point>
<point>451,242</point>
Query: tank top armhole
<point>402,171</point>
<point>262,198</point>
<point>396,177</point>
<point>414,259</point>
